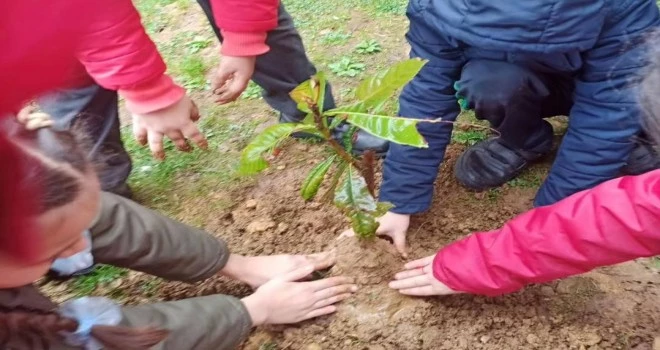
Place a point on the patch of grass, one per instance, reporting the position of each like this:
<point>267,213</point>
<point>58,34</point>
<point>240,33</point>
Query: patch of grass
<point>252,92</point>
<point>526,180</point>
<point>335,38</point>
<point>469,137</point>
<point>102,274</point>
<point>198,43</point>
<point>191,71</point>
<point>347,67</point>
<point>268,346</point>
<point>155,14</point>
<point>368,47</point>
<point>154,180</point>
<point>494,194</point>
<point>149,287</point>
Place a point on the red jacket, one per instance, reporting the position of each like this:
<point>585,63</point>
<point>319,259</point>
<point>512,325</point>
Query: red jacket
<point>43,42</point>
<point>614,222</point>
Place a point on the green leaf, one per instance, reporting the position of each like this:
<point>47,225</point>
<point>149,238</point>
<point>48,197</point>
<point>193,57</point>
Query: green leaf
<point>375,90</point>
<point>313,181</point>
<point>302,94</point>
<point>354,199</point>
<point>339,171</point>
<point>382,208</point>
<point>364,224</point>
<point>396,129</point>
<point>322,83</point>
<point>353,193</point>
<point>252,160</point>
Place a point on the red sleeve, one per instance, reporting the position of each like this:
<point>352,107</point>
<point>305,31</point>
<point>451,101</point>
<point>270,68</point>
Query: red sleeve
<point>614,222</point>
<point>119,55</point>
<point>244,25</point>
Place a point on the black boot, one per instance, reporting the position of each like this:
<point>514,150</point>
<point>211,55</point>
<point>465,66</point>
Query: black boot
<point>643,158</point>
<point>363,142</point>
<point>492,163</point>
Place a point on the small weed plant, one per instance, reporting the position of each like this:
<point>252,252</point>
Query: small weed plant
<point>349,180</point>
<point>368,47</point>
<point>347,67</point>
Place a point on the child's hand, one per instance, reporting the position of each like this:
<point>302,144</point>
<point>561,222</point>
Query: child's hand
<point>176,122</point>
<point>394,226</point>
<point>232,77</point>
<point>417,279</point>
<point>283,300</point>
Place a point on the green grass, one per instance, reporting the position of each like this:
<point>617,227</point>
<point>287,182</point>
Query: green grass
<point>154,13</point>
<point>155,179</point>
<point>102,274</point>
<point>469,137</point>
<point>269,346</point>
<point>252,92</point>
<point>528,179</point>
<point>191,72</point>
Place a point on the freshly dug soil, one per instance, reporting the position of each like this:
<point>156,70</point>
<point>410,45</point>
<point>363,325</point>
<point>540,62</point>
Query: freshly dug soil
<point>612,308</point>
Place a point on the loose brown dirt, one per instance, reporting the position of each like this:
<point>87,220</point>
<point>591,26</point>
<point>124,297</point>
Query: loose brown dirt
<point>612,308</point>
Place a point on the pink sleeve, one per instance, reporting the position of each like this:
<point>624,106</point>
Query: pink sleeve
<point>244,25</point>
<point>117,52</point>
<point>614,222</point>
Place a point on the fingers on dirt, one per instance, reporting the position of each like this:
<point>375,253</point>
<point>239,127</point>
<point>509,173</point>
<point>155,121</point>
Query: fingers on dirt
<point>411,282</point>
<point>332,300</point>
<point>409,273</point>
<point>320,312</point>
<point>156,145</point>
<point>192,133</point>
<point>140,134</point>
<point>419,262</point>
<point>419,291</point>
<point>323,260</point>
<point>330,282</point>
<point>179,141</point>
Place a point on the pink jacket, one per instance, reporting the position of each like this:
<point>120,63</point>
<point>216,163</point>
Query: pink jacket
<point>614,222</point>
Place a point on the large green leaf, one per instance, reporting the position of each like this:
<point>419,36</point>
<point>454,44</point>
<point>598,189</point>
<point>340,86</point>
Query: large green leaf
<point>396,129</point>
<point>377,88</point>
<point>354,199</point>
<point>252,158</point>
<point>313,181</point>
<point>353,192</point>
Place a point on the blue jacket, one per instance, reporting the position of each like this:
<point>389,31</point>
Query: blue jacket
<point>600,42</point>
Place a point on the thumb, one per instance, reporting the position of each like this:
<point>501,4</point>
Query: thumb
<point>400,243</point>
<point>297,274</point>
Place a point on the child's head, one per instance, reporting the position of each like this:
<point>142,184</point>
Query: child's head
<point>66,200</point>
<point>57,170</point>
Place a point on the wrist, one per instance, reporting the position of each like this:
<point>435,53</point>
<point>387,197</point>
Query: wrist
<point>256,309</point>
<point>234,267</point>
<point>244,44</point>
<point>152,96</point>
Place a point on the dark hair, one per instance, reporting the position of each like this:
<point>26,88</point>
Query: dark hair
<point>48,167</point>
<point>23,329</point>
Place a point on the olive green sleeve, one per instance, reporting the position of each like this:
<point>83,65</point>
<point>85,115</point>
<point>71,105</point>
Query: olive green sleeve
<point>126,234</point>
<point>214,322</point>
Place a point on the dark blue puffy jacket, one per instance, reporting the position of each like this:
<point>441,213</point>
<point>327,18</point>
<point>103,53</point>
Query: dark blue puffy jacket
<point>600,42</point>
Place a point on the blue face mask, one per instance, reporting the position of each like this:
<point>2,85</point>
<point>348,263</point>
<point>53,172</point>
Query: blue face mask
<point>77,264</point>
